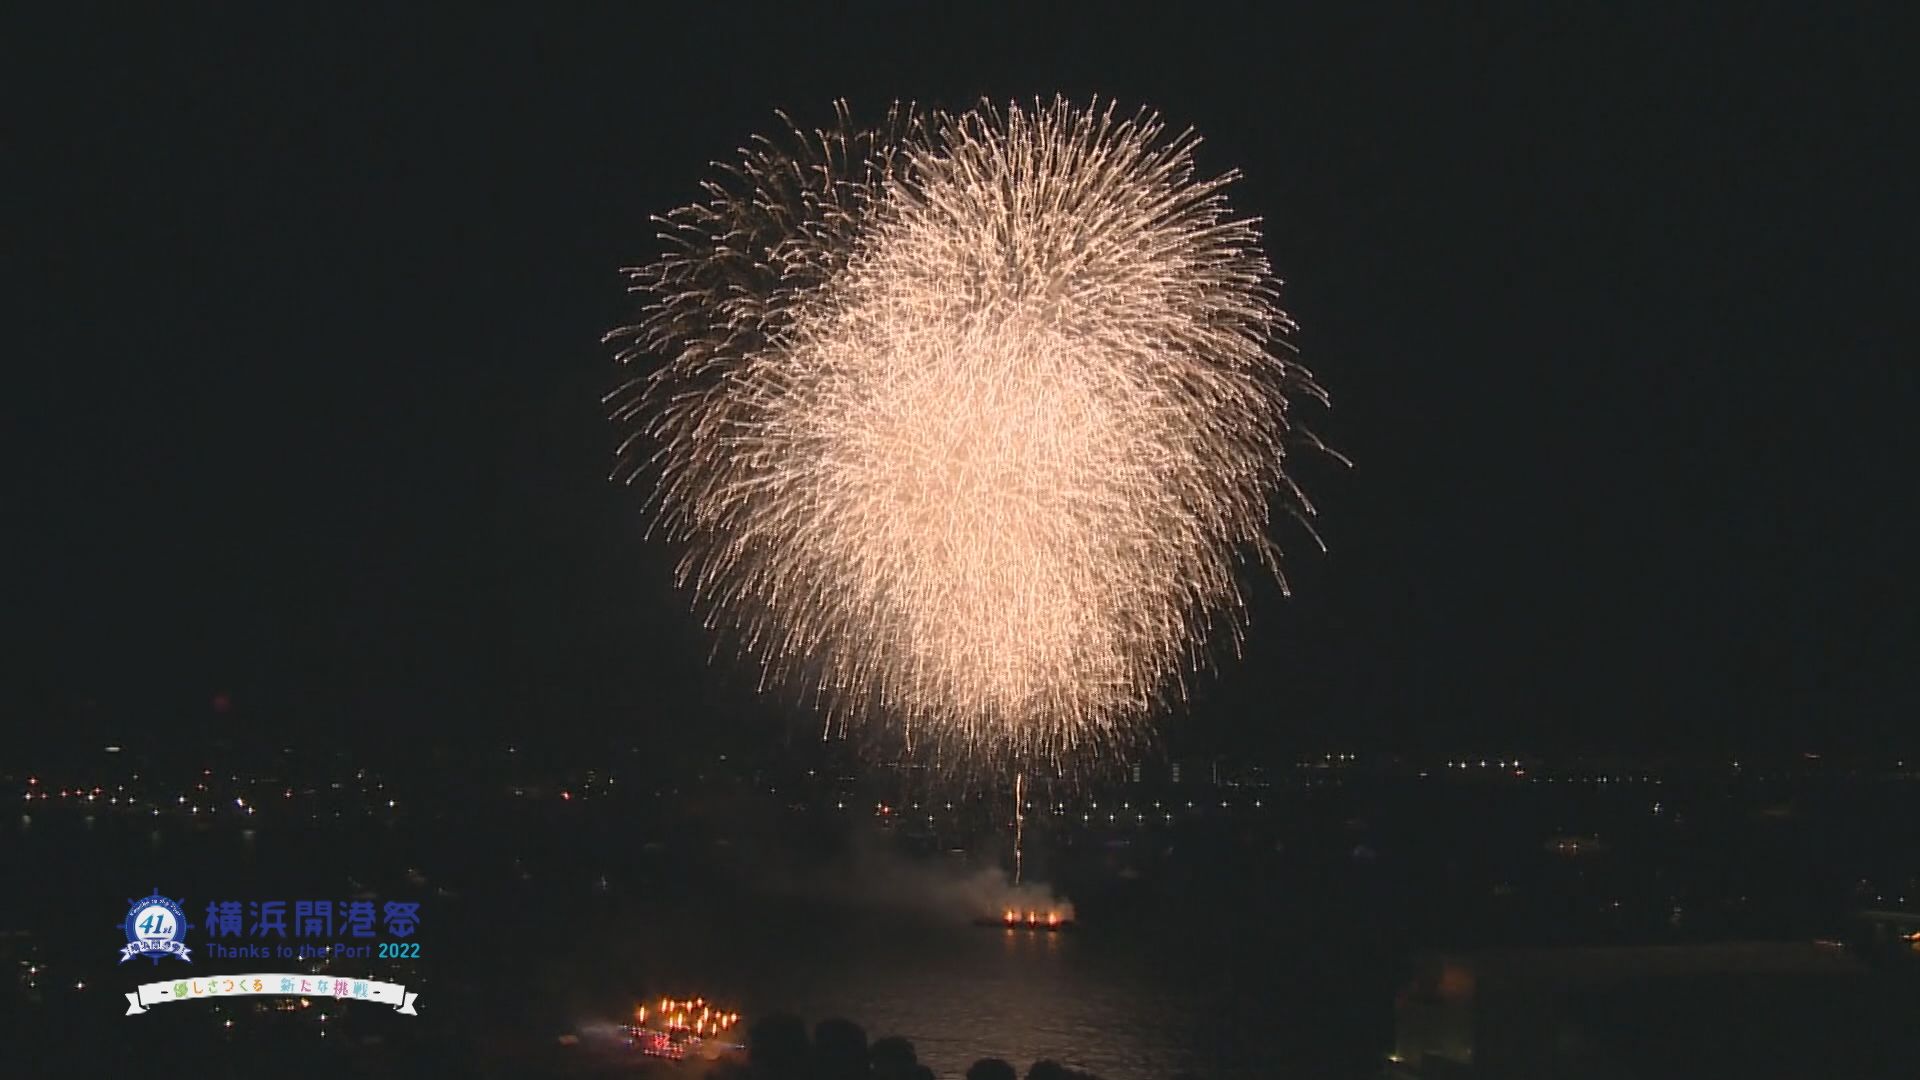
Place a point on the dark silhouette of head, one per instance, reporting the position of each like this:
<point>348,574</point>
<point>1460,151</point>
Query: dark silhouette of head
<point>991,1069</point>
<point>840,1051</point>
<point>777,1048</point>
<point>893,1059</point>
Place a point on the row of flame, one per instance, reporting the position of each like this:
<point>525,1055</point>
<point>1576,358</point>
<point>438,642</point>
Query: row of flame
<point>693,1015</point>
<point>1034,918</point>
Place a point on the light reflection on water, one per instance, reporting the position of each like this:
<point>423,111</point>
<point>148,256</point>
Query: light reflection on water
<point>959,994</point>
<point>1124,1005</point>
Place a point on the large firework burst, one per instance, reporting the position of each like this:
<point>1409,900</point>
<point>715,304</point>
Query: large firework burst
<point>969,422</point>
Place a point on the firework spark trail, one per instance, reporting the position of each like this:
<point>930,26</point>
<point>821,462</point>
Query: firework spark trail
<point>969,422</point>
<point>1019,822</point>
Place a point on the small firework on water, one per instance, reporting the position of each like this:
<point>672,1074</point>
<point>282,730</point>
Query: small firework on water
<point>968,423</point>
<point>1031,919</point>
<point>668,1027</point>
<point>1029,912</point>
<point>694,1015</point>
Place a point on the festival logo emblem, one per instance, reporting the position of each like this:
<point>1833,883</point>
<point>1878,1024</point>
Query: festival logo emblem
<point>155,926</point>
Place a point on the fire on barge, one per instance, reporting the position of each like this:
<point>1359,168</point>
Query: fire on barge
<point>1041,921</point>
<point>679,1029</point>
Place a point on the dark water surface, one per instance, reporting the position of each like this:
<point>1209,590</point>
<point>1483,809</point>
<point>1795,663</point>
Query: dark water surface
<point>1123,1005</point>
<point>526,935</point>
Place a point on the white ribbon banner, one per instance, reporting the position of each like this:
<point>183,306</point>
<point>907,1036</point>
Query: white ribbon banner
<point>312,986</point>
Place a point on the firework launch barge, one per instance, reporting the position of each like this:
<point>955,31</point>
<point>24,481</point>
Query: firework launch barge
<point>677,1030</point>
<point>1038,921</point>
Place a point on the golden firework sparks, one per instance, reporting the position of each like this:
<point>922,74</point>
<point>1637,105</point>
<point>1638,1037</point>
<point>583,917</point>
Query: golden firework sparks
<point>968,423</point>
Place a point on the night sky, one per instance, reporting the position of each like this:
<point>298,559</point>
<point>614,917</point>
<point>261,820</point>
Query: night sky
<point>307,404</point>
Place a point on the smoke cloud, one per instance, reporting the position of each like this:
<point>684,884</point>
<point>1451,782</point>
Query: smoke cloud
<point>872,876</point>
